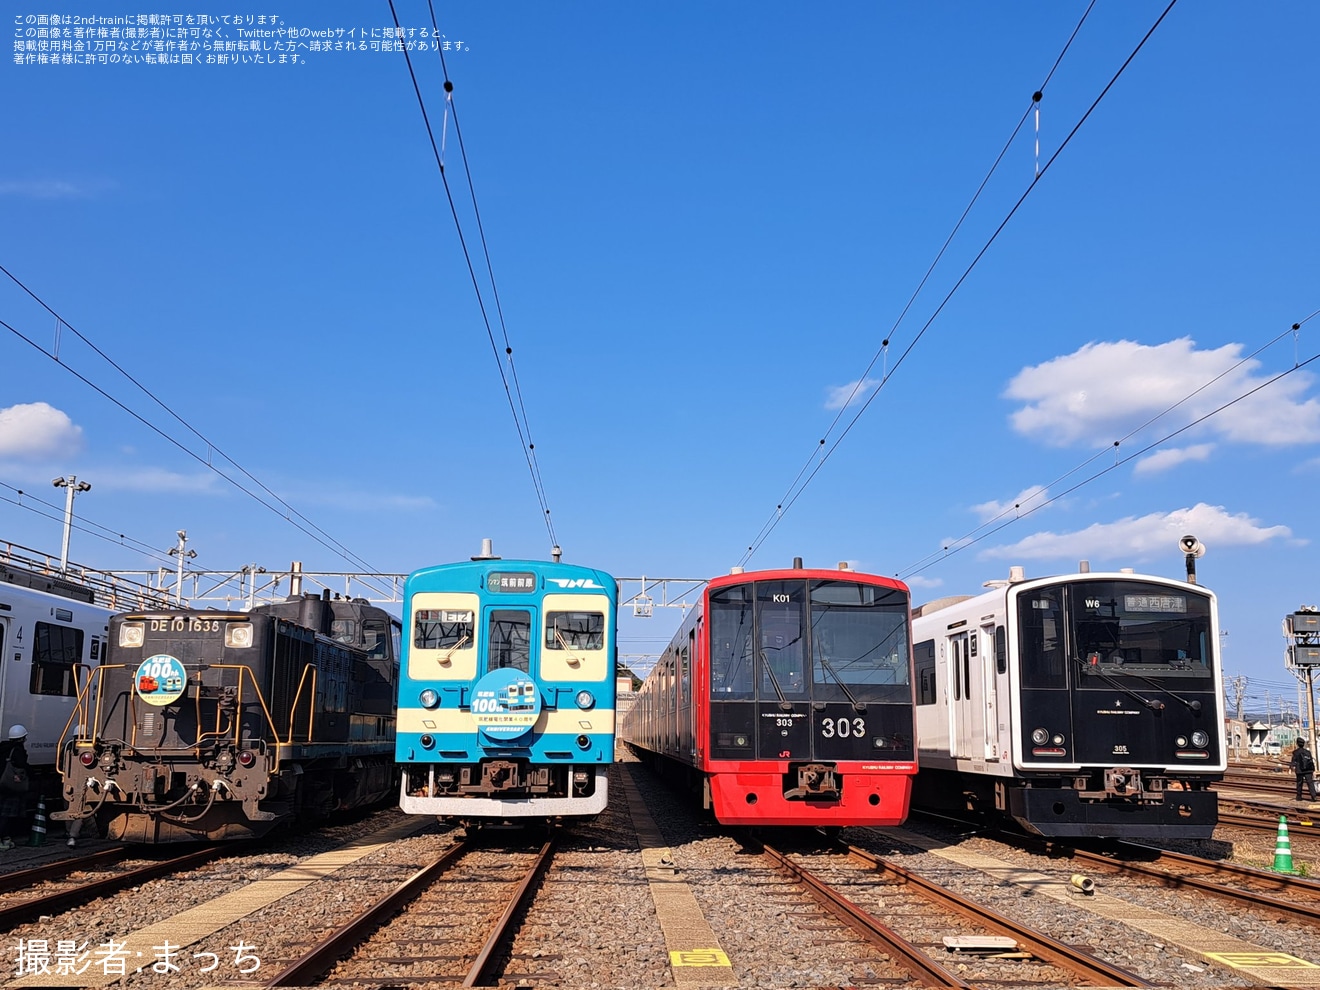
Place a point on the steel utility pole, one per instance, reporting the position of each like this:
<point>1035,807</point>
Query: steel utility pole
<point>72,487</point>
<point>181,553</point>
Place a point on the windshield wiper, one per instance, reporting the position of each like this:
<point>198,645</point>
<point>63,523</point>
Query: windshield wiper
<point>784,703</point>
<point>857,705</point>
<point>1193,706</point>
<point>1155,706</point>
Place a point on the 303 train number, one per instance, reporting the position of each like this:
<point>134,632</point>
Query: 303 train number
<point>842,728</point>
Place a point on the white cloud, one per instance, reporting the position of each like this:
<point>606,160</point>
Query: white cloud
<point>1103,391</point>
<point>37,430</point>
<point>157,481</point>
<point>362,501</point>
<point>1142,537</point>
<point>1026,500</point>
<point>917,581</point>
<point>841,396</point>
<point>1163,460</point>
<point>48,189</point>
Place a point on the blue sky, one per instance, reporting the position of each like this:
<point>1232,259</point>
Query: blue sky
<point>703,219</point>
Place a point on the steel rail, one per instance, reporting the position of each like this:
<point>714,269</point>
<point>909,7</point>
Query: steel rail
<point>1303,825</point>
<point>479,972</point>
<point>343,940</point>
<point>871,928</point>
<point>12,914</point>
<point>1041,946</point>
<point>23,879</point>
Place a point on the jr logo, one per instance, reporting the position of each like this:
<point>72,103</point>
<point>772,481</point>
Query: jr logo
<point>575,583</point>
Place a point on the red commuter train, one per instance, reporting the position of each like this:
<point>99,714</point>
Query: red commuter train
<point>786,698</point>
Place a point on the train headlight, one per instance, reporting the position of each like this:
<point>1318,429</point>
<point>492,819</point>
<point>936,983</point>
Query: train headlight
<point>247,758</point>
<point>427,741</point>
<point>1039,736</point>
<point>584,742</point>
<point>740,740</point>
<point>87,757</point>
<point>1057,740</point>
<point>879,742</point>
<point>1180,742</point>
<point>429,698</point>
<point>585,700</point>
<point>131,634</point>
<point>238,635</point>
<point>1200,739</point>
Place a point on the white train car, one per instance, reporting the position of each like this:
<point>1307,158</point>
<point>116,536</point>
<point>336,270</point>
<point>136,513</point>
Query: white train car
<point>51,634</point>
<point>1085,704</point>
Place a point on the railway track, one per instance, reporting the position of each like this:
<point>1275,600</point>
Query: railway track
<point>1033,958</point>
<point>67,894</point>
<point>420,929</point>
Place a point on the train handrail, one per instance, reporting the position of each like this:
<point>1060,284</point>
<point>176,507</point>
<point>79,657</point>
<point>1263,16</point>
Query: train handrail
<point>91,722</point>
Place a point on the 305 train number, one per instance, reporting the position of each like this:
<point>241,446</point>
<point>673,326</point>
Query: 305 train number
<point>842,728</point>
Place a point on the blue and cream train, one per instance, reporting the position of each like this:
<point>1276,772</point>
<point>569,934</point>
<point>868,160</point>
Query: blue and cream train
<point>506,692</point>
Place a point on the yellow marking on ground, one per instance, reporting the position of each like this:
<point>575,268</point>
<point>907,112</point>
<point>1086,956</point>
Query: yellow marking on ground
<point>142,948</point>
<point>699,957</point>
<point>1272,969</point>
<point>687,933</point>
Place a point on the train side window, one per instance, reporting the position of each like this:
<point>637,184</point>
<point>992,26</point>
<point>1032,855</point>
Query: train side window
<point>1001,649</point>
<point>955,666</point>
<point>1042,649</point>
<point>56,649</point>
<point>685,672</point>
<point>924,656</point>
<point>510,639</point>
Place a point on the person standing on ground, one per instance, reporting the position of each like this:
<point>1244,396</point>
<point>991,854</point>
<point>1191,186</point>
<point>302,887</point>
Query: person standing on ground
<point>13,785</point>
<point>1303,765</point>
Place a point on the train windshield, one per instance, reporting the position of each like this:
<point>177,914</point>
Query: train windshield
<point>1144,630</point>
<point>574,631</point>
<point>819,640</point>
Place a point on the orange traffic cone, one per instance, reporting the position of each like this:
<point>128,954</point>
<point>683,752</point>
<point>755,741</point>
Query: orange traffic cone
<point>1283,848</point>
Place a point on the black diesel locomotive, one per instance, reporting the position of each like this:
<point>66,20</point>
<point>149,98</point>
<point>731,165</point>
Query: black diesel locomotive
<point>1086,704</point>
<point>220,725</point>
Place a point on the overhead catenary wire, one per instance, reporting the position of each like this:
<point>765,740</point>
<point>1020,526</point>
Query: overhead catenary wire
<point>81,524</point>
<point>821,453</point>
<point>1035,505</point>
<point>518,409</point>
<point>1016,508</point>
<point>316,532</point>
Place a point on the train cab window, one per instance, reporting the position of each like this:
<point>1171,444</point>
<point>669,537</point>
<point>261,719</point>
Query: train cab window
<point>731,642</point>
<point>1043,648</point>
<point>859,643</point>
<point>510,639</point>
<point>574,631</point>
<point>56,649</point>
<point>375,638</point>
<point>781,617</point>
<point>442,628</point>
<point>1151,631</point>
<point>344,630</point>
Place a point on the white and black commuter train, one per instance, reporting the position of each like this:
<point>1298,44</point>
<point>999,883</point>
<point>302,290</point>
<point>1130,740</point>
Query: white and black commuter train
<point>1085,704</point>
<point>51,634</point>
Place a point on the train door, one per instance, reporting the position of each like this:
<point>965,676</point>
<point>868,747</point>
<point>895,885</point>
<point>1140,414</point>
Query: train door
<point>4,680</point>
<point>989,692</point>
<point>965,705</point>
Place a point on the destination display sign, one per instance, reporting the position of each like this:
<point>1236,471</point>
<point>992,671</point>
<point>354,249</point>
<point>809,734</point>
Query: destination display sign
<point>507,581</point>
<point>1155,603</point>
